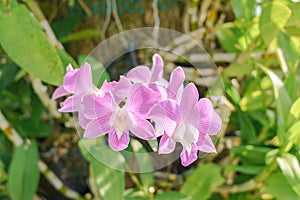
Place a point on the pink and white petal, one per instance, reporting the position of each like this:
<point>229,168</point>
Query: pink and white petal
<point>205,144</point>
<point>176,81</point>
<point>108,86</point>
<point>166,145</point>
<point>157,68</point>
<point>139,74</point>
<point>118,144</point>
<point>97,127</point>
<point>188,102</point>
<point>84,81</point>
<point>122,89</point>
<point>70,79</point>
<point>71,104</point>
<point>95,107</point>
<point>141,128</point>
<point>59,92</point>
<point>141,100</point>
<point>188,158</point>
<point>163,124</point>
<point>209,121</point>
<point>83,121</point>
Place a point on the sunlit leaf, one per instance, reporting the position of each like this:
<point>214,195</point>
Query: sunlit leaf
<point>278,186</point>
<point>273,18</point>
<point>244,9</point>
<point>290,168</point>
<point>28,46</point>
<point>23,172</point>
<point>202,181</point>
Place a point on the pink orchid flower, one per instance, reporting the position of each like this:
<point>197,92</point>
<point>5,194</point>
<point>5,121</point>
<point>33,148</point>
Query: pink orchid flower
<point>142,74</point>
<point>184,123</point>
<point>108,117</point>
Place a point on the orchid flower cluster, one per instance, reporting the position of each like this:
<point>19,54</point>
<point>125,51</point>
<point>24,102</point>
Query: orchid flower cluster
<point>144,104</point>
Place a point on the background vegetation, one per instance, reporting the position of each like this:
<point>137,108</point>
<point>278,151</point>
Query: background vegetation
<point>256,46</point>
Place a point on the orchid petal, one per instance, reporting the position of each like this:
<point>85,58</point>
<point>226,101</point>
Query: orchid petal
<point>97,127</point>
<point>141,128</point>
<point>209,122</point>
<point>188,158</point>
<point>157,68</point>
<point>118,144</point>
<point>205,144</point>
<point>139,74</point>
<point>176,81</point>
<point>166,145</point>
<point>188,103</point>
<point>95,107</point>
<point>59,92</point>
<point>166,115</point>
<point>84,81</point>
<point>71,104</point>
<point>122,89</point>
<point>83,121</point>
<point>141,100</point>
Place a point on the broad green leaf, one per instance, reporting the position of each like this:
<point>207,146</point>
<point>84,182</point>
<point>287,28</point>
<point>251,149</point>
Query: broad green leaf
<point>294,133</point>
<point>278,186</point>
<point>282,100</point>
<point>244,9</point>
<point>248,133</point>
<point>290,51</point>
<point>292,25</point>
<point>144,164</point>
<point>245,169</point>
<point>107,173</point>
<point>98,72</point>
<point>250,154</point>
<point>171,196</point>
<point>255,100</point>
<point>294,112</point>
<point>273,18</point>
<point>202,181</point>
<point>290,168</point>
<point>80,35</point>
<point>23,172</point>
<point>238,70</point>
<point>24,41</point>
<point>7,74</point>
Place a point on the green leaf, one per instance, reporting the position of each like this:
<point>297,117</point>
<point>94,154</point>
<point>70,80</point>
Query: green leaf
<point>245,169</point>
<point>66,58</point>
<point>80,35</point>
<point>7,74</point>
<point>144,163</point>
<point>294,134</point>
<point>171,196</point>
<point>107,173</point>
<point>292,25</point>
<point>202,181</point>
<point>273,18</point>
<point>290,51</point>
<point>294,112</point>
<point>255,100</point>
<point>110,182</point>
<point>244,9</point>
<point>278,186</point>
<point>248,132</point>
<point>23,172</point>
<point>250,154</point>
<point>290,168</point>
<point>98,72</point>
<point>25,42</point>
<point>282,100</point>
<point>238,70</point>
